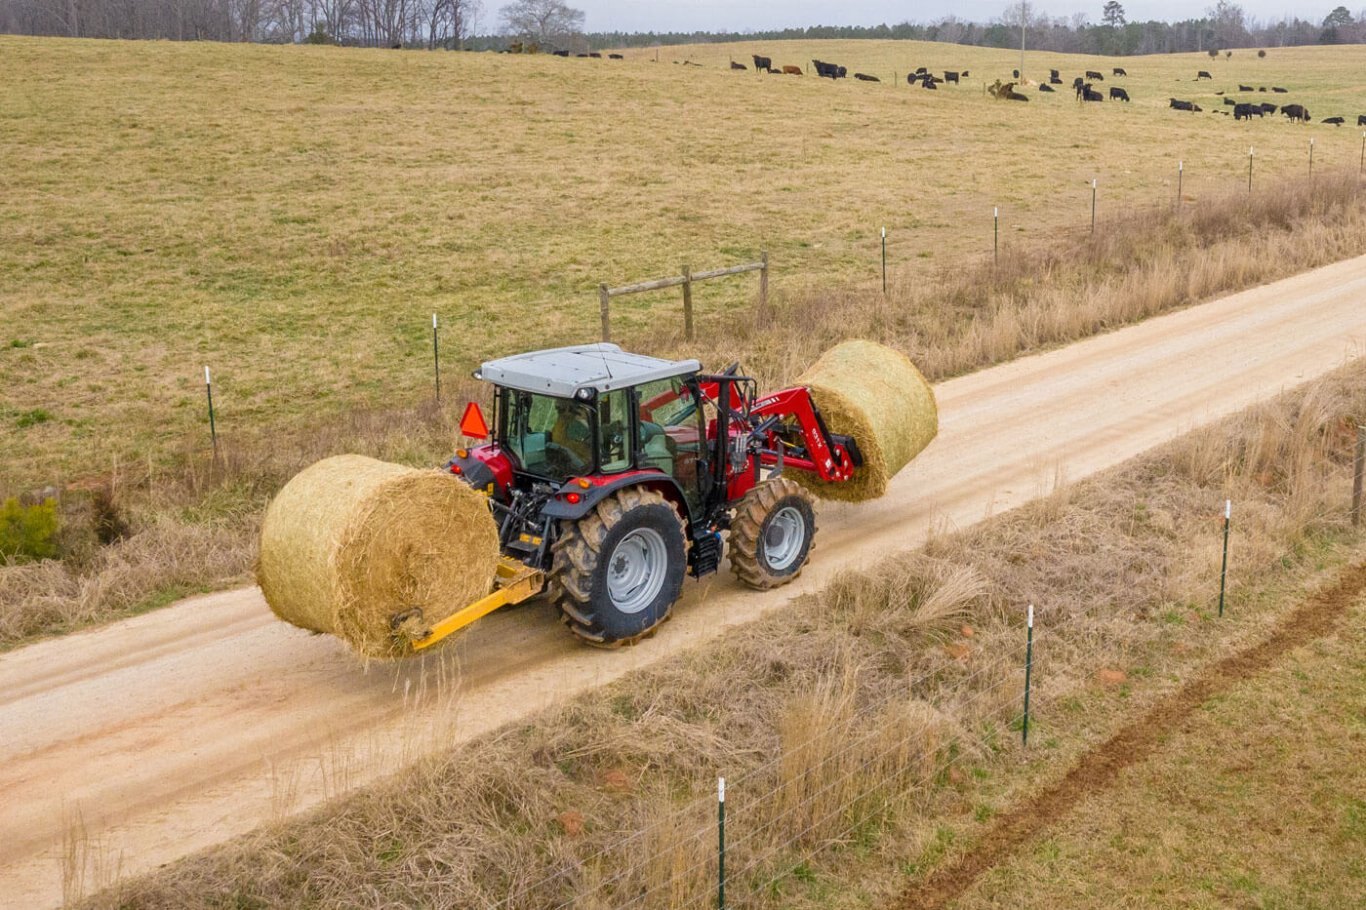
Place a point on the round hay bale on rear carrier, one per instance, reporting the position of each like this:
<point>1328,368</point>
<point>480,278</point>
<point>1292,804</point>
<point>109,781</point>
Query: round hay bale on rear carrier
<point>877,396</point>
<point>352,542</point>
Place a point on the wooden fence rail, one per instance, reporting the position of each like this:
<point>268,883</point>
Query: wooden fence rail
<point>605,294</point>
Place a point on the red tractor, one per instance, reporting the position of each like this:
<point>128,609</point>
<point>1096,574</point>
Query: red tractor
<point>612,475</point>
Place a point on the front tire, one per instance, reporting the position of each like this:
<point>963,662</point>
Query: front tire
<point>772,534</point>
<point>618,570</point>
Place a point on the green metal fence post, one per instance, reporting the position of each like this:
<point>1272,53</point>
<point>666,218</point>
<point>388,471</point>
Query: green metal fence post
<point>1223,572</point>
<point>1029,670</point>
<point>721,843</point>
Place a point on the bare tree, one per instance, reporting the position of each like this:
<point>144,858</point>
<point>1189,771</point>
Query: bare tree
<point>547,22</point>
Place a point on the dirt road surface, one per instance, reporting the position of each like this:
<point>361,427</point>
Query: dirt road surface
<point>124,747</point>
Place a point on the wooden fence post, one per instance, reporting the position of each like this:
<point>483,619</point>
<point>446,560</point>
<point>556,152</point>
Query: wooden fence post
<point>763,285</point>
<point>687,303</point>
<point>604,304</point>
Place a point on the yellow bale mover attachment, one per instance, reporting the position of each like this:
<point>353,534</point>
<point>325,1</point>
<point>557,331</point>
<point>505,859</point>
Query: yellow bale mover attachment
<point>514,583</point>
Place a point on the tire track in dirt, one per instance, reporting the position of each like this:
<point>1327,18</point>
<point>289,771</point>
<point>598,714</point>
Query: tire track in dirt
<point>1100,768</point>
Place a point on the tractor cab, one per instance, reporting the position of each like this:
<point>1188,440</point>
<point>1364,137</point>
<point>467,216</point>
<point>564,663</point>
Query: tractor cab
<point>589,410</point>
<point>579,422</point>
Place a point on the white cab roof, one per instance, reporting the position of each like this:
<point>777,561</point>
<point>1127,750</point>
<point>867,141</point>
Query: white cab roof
<point>562,372</point>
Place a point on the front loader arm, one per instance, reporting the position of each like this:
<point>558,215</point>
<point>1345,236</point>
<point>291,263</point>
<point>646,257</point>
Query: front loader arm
<point>802,437</point>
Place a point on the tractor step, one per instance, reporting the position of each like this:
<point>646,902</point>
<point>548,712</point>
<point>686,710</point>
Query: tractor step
<point>705,556</point>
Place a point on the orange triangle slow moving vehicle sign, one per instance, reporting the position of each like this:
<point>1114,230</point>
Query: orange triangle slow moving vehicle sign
<point>473,424</point>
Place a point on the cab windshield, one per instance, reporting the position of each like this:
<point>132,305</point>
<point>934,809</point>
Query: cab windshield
<point>552,437</point>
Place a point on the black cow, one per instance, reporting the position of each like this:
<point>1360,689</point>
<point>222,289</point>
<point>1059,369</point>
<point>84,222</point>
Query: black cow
<point>1244,88</point>
<point>623,57</point>
<point>829,70</point>
<point>584,56</point>
<point>1015,73</point>
<point>1229,101</point>
<point>920,71</point>
<point>560,53</point>
<point>595,55</point>
<point>1336,121</point>
<point>1045,87</point>
<point>763,63</point>
<point>1202,75</point>
<point>1268,108</point>
<point>950,76</point>
<point>864,77</point>
<point>1088,95</point>
<point>1278,90</point>
<point>1296,112</point>
<point>1118,94</point>
<point>1361,119</point>
<point>1261,88</point>
<point>738,66</point>
<point>1054,74</point>
<point>1182,105</point>
<point>1094,76</point>
<point>928,82</point>
<point>1119,71</point>
<point>1054,80</point>
<point>1246,111</point>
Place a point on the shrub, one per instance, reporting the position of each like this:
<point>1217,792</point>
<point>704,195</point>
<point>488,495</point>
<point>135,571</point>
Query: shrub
<point>28,531</point>
<point>319,35</point>
<point>1261,53</point>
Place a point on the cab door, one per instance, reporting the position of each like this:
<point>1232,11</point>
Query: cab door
<point>671,435</point>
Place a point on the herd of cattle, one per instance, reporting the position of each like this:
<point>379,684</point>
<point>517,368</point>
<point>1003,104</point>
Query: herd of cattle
<point>1083,86</point>
<point>1246,110</point>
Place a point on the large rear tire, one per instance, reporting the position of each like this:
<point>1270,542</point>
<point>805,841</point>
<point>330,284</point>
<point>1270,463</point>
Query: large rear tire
<point>618,570</point>
<point>772,534</point>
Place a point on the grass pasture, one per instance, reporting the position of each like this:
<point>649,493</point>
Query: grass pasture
<point>292,216</point>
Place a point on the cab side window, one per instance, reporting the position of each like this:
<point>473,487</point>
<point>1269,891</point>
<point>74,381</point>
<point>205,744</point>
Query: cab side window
<point>614,427</point>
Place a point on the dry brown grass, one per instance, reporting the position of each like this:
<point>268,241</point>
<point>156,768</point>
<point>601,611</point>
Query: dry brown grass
<point>192,526</point>
<point>861,727</point>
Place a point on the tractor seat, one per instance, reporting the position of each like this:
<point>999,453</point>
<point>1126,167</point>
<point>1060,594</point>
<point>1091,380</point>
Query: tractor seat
<point>657,448</point>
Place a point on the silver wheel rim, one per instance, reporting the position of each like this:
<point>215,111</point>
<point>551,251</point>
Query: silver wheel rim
<point>635,573</point>
<point>783,538</point>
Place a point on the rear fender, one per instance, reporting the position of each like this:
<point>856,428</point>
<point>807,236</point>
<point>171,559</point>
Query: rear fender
<point>561,509</point>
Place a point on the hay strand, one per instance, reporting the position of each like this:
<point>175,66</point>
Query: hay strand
<point>350,542</point>
<point>876,395</point>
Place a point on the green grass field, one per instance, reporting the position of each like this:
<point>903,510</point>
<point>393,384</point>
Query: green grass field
<point>292,216</point>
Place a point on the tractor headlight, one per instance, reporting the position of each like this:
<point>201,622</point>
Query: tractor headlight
<point>584,394</point>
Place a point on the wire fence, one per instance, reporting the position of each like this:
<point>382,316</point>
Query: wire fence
<point>771,809</point>
<point>838,785</point>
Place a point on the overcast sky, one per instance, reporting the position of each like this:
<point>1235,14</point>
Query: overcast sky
<point>741,15</point>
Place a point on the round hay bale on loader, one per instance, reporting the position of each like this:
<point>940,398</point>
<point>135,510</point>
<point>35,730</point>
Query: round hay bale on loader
<point>352,542</point>
<point>877,396</point>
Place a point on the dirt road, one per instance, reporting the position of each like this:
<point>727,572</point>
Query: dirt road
<point>124,747</point>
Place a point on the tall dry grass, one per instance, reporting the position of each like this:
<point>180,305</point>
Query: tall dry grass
<point>194,524</point>
<point>856,728</point>
<point>191,527</point>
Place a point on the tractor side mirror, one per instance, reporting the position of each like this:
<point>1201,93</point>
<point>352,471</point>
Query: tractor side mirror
<point>473,423</point>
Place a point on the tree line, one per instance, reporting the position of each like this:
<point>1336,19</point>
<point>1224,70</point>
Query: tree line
<point>553,25</point>
<point>372,23</point>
